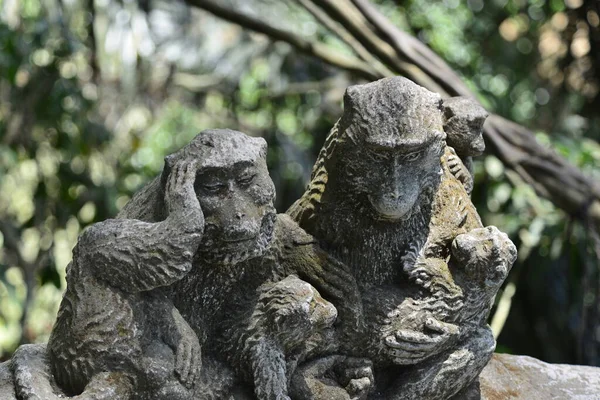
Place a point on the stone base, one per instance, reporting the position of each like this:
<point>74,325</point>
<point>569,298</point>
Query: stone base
<point>520,377</point>
<point>506,377</point>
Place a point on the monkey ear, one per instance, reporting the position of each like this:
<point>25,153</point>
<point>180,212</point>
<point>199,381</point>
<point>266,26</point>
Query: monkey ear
<point>350,98</point>
<point>169,163</point>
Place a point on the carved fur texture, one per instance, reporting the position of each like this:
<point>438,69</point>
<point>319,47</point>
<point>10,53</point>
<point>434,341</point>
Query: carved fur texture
<point>386,201</point>
<point>240,298</point>
<point>114,316</point>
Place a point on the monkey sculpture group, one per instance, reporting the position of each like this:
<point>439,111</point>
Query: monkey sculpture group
<point>376,284</point>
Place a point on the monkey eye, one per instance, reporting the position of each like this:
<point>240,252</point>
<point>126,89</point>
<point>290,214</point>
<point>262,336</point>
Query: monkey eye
<point>378,156</point>
<point>246,179</point>
<point>213,187</point>
<point>412,156</point>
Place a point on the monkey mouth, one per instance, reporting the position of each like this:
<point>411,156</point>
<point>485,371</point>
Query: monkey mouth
<point>384,215</point>
<point>231,252</point>
<point>394,217</point>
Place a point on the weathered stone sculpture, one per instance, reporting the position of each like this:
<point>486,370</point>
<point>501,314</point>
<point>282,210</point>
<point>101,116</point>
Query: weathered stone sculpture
<point>115,317</point>
<point>199,290</point>
<point>239,297</point>
<point>463,125</point>
<point>379,179</point>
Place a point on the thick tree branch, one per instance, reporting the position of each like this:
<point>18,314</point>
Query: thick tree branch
<point>323,52</point>
<point>351,18</point>
<point>345,36</point>
<point>414,51</point>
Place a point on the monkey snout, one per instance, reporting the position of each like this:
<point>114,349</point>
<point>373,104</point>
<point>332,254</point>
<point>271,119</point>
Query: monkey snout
<point>393,206</point>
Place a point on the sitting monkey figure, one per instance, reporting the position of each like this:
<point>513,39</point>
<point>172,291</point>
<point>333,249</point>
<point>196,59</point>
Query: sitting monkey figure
<point>115,323</point>
<point>239,298</point>
<point>371,203</point>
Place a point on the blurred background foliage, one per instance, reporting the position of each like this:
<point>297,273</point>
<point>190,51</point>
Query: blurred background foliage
<point>95,93</point>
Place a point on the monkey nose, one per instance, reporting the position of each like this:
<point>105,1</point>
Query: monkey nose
<point>395,195</point>
<point>239,215</point>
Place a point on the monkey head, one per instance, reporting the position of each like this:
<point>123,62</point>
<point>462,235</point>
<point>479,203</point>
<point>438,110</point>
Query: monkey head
<point>485,254</point>
<point>235,192</point>
<point>463,124</point>
<point>294,310</point>
<point>393,138</point>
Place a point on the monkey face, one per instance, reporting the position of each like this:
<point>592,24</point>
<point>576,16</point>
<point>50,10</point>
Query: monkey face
<point>392,181</point>
<point>486,254</point>
<point>238,208</point>
<point>392,143</point>
<point>294,310</point>
<point>464,119</point>
<point>235,193</point>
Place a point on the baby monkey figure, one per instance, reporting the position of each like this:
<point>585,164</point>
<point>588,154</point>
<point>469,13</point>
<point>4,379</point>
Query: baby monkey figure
<point>116,327</point>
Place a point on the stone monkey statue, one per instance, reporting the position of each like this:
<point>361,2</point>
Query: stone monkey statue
<point>370,202</point>
<point>240,297</point>
<point>115,316</point>
<point>463,125</point>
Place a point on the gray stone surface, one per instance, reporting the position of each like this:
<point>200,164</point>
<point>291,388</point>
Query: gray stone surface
<point>385,199</point>
<point>510,377</point>
<point>375,285</point>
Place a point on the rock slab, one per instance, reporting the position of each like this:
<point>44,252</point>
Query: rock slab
<point>508,377</point>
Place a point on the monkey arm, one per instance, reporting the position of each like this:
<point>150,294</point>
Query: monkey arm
<point>301,255</point>
<point>137,256</point>
<point>334,282</point>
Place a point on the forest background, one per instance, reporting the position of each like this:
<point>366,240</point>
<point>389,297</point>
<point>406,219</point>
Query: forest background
<point>94,93</point>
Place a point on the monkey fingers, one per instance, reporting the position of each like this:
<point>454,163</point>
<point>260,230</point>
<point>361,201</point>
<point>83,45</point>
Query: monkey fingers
<point>186,362</point>
<point>416,342</point>
<point>327,281</point>
<point>354,369</point>
<point>441,327</point>
<point>174,196</point>
<point>338,274</point>
<point>195,365</point>
<point>402,357</point>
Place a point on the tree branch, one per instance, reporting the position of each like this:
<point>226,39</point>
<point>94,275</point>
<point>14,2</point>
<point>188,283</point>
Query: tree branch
<point>314,49</point>
<point>345,36</point>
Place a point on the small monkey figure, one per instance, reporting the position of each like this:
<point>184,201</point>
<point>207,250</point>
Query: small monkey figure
<point>464,119</point>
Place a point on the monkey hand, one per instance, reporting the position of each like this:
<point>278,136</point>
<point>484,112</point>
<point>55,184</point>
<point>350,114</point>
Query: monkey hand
<point>337,284</point>
<point>181,199</point>
<point>356,376</point>
<point>188,358</point>
<point>407,347</point>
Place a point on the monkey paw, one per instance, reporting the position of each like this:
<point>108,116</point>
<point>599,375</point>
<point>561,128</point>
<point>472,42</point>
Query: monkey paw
<point>188,360</point>
<point>409,346</point>
<point>356,375</point>
<point>459,170</point>
<point>180,196</point>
